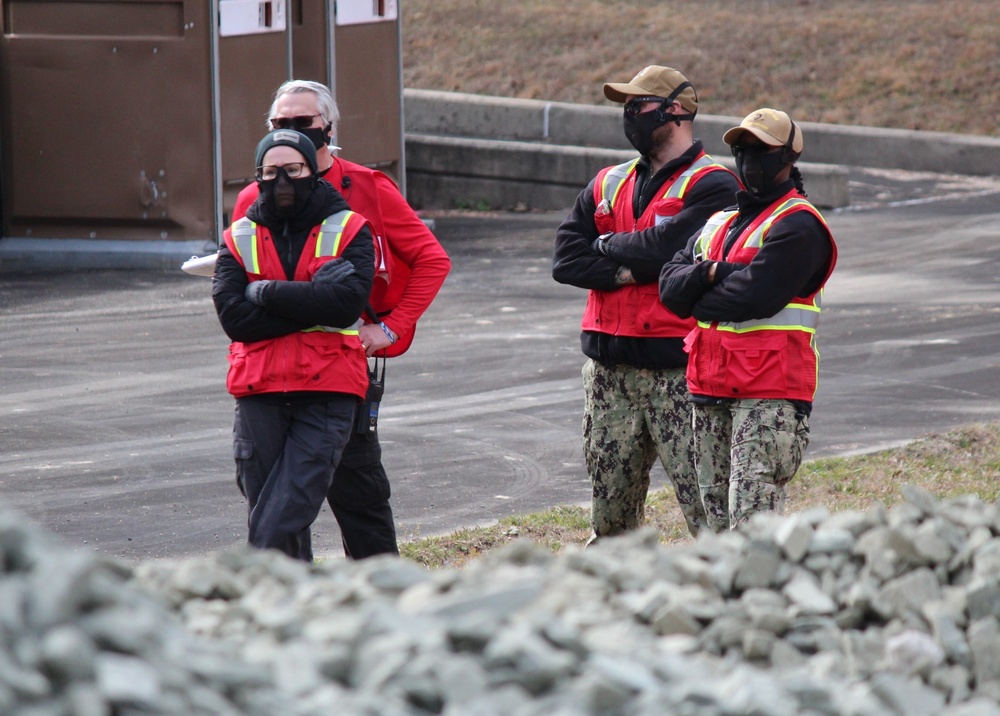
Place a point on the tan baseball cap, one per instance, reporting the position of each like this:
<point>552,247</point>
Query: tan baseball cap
<point>654,81</point>
<point>771,126</point>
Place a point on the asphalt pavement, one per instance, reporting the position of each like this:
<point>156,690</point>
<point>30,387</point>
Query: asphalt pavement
<point>115,426</point>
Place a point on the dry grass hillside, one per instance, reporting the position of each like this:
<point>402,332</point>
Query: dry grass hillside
<point>909,64</point>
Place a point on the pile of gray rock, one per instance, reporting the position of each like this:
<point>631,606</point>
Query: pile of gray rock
<point>854,613</point>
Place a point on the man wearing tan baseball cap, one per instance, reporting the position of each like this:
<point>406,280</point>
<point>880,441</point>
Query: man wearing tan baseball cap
<point>652,101</point>
<point>753,278</point>
<point>625,225</point>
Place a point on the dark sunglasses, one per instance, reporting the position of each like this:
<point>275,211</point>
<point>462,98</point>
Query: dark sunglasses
<point>634,105</point>
<point>755,149</point>
<point>293,122</point>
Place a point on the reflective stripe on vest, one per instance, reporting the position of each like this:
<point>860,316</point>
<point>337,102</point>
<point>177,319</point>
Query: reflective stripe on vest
<point>680,185</point>
<point>715,222</point>
<point>327,243</point>
<point>793,317</point>
<point>756,239</point>
<point>330,232</point>
<point>245,239</point>
<point>615,178</point>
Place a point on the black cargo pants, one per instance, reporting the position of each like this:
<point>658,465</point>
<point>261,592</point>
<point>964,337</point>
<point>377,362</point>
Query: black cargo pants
<point>286,453</point>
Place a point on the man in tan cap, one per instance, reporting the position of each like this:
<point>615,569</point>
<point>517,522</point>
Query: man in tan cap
<point>753,278</point>
<point>625,225</point>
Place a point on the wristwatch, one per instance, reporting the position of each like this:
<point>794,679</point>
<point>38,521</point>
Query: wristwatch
<point>600,242</point>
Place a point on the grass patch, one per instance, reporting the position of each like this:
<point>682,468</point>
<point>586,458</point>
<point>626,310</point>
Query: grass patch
<point>555,529</point>
<point>961,462</point>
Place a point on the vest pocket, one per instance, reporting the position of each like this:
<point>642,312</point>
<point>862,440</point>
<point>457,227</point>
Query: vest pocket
<point>755,363</point>
<point>332,361</point>
<point>329,343</point>
<point>666,209</point>
<point>652,316</point>
<point>247,363</point>
<point>604,223</point>
<point>322,352</point>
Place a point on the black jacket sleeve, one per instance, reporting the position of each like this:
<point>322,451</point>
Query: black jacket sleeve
<point>645,252</point>
<point>683,281</point>
<point>574,261</point>
<point>242,320</point>
<point>793,261</point>
<point>322,304</point>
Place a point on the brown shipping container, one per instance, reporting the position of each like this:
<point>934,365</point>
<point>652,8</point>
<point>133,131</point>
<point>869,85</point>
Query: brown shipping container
<point>136,119</point>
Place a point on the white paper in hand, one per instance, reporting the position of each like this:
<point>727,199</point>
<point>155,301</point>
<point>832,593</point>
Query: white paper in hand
<point>200,265</point>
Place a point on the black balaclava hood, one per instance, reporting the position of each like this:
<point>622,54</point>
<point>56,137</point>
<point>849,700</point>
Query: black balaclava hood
<point>287,138</point>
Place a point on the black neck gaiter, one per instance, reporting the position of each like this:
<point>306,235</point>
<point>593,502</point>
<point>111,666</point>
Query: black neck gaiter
<point>758,169</point>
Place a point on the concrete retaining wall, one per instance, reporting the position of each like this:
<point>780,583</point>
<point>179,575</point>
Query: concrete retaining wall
<point>539,154</point>
<point>456,172</point>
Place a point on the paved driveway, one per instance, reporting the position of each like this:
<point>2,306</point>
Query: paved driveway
<point>115,424</point>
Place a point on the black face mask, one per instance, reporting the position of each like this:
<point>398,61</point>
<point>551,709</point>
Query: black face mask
<point>757,169</point>
<point>301,189</point>
<point>640,128</point>
<point>320,136</point>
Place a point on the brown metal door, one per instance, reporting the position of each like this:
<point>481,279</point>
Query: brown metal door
<point>253,61</point>
<point>252,67</point>
<point>310,41</point>
<point>137,119</point>
<point>106,110</point>
<point>369,94</point>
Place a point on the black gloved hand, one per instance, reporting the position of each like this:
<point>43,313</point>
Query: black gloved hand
<point>334,271</point>
<point>255,292</point>
<point>600,245</point>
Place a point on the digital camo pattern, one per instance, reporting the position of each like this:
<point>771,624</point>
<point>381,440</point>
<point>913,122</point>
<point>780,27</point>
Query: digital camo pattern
<point>746,453</point>
<point>631,417</point>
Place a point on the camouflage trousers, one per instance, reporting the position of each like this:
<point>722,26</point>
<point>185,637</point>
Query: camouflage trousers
<point>631,416</point>
<point>746,452</point>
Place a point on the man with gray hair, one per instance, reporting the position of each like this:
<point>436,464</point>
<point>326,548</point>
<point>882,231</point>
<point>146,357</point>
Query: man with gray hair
<point>417,265</point>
